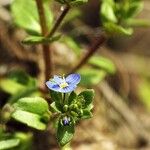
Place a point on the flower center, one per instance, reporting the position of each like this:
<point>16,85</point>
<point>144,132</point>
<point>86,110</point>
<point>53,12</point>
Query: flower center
<point>63,84</point>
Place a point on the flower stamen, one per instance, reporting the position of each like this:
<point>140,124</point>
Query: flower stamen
<point>63,84</point>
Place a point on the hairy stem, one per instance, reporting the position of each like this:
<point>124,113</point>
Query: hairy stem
<point>94,47</point>
<point>45,47</point>
<point>59,21</point>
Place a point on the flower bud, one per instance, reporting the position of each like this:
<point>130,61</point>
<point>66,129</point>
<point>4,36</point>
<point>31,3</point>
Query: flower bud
<point>65,108</point>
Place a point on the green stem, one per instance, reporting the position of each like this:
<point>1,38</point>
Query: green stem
<point>66,147</point>
<point>64,98</point>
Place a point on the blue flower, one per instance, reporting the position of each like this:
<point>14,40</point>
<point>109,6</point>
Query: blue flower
<point>66,121</point>
<point>62,84</point>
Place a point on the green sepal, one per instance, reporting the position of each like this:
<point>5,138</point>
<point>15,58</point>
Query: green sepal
<point>65,133</point>
<point>71,97</point>
<point>57,98</point>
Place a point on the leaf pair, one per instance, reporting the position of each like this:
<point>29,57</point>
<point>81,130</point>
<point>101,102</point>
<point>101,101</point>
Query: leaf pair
<point>118,16</point>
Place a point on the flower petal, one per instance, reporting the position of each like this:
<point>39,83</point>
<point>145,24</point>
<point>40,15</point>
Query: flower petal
<point>53,86</point>
<point>58,79</point>
<point>67,89</point>
<point>73,79</point>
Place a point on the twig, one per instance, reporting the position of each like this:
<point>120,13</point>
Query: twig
<point>96,44</point>
<point>117,103</point>
<point>59,21</point>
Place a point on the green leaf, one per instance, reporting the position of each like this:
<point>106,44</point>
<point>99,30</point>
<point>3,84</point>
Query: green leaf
<point>112,29</point>
<point>9,144</point>
<point>72,2</point>
<point>65,133</point>
<point>91,76</point>
<point>22,77</point>
<point>28,91</point>
<point>86,114</point>
<point>40,39</point>
<point>103,63</point>
<point>31,119</point>
<point>107,11</point>
<point>78,2</point>
<point>36,105</point>
<point>17,82</point>
<point>71,97</point>
<point>10,86</point>
<point>57,98</point>
<point>88,96</point>
<point>135,8</point>
<point>25,15</point>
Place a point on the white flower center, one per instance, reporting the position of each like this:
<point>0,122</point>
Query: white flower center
<point>63,84</point>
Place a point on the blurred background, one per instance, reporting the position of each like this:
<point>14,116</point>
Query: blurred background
<point>121,114</point>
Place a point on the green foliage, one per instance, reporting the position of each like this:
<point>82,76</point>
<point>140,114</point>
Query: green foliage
<point>118,16</point>
<point>88,96</point>
<point>103,63</point>
<point>32,111</point>
<point>57,98</point>
<point>107,11</point>
<point>91,76</point>
<point>64,133</point>
<point>31,119</point>
<point>72,2</point>
<point>144,93</point>
<point>35,105</point>
<point>72,44</point>
<point>7,84</point>
<point>15,141</point>
<point>73,108</point>
<point>9,143</point>
<point>23,85</point>
<point>39,39</point>
<point>114,29</point>
<point>25,15</point>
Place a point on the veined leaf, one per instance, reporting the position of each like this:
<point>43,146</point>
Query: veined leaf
<point>25,15</point>
<point>31,119</point>
<point>65,133</point>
